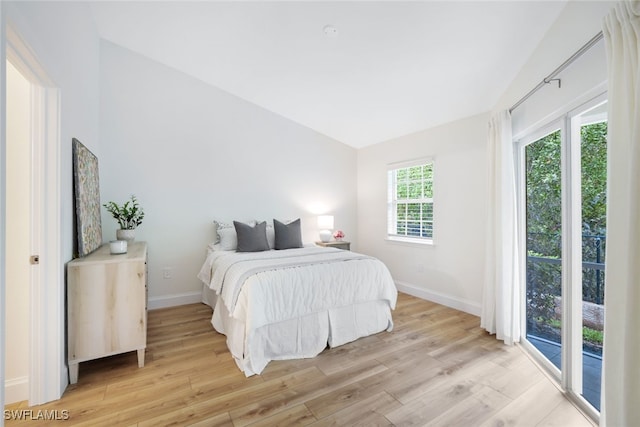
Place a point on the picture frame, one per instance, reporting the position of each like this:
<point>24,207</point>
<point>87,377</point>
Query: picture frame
<point>86,180</point>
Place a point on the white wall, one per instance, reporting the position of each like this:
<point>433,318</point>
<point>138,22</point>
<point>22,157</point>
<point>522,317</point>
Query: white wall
<point>65,41</point>
<point>452,270</point>
<point>585,78</point>
<point>63,38</point>
<point>192,153</point>
<point>17,238</point>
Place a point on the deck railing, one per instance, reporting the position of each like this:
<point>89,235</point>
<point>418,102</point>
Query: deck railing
<point>593,263</point>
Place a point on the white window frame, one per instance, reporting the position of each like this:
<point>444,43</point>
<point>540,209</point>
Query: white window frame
<point>392,202</point>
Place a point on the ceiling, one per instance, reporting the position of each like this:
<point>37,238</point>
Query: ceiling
<point>392,69</point>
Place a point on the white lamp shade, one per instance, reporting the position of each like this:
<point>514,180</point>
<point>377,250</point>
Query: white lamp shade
<point>325,222</point>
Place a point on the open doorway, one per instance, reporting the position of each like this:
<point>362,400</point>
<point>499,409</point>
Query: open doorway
<point>18,234</point>
<point>34,282</point>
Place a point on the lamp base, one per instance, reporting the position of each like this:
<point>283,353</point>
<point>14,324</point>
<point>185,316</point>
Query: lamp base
<point>325,236</point>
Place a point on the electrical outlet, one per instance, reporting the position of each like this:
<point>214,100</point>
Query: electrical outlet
<point>167,273</point>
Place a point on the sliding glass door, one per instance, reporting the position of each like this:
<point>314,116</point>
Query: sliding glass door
<point>543,172</point>
<point>563,204</point>
<point>590,129</point>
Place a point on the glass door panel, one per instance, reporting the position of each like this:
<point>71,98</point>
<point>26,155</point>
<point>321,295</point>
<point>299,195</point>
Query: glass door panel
<point>543,182</point>
<point>564,211</point>
<point>592,126</point>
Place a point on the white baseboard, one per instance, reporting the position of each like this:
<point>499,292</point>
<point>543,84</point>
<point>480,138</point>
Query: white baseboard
<point>175,300</point>
<point>461,304</point>
<point>467,306</point>
<point>16,390</point>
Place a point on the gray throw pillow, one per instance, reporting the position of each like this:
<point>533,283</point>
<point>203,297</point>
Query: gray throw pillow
<point>251,239</point>
<point>288,236</point>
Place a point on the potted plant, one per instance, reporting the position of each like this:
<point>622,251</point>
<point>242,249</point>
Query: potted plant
<point>128,216</point>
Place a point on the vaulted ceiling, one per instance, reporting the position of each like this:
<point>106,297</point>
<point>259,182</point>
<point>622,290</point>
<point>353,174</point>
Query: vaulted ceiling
<point>379,71</point>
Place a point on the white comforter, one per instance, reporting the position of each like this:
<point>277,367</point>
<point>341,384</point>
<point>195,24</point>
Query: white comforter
<point>263,288</point>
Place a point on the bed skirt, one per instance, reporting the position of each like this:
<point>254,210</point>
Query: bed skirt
<point>303,337</point>
<point>209,296</point>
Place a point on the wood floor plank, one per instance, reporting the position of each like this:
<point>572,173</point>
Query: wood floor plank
<point>432,403</point>
<point>532,405</point>
<point>141,404</point>
<point>305,392</point>
<point>473,410</point>
<point>437,366</point>
<point>338,399</point>
<point>565,414</point>
<point>515,381</point>
<point>298,415</point>
<point>407,384</point>
<point>261,391</point>
<point>222,420</point>
<point>204,411</point>
<point>416,350</point>
<point>368,412</point>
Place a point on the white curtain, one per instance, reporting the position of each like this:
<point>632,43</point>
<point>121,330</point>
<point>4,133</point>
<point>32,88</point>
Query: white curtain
<point>621,366</point>
<point>501,295</point>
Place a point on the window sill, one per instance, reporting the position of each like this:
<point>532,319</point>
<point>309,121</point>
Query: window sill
<point>410,241</point>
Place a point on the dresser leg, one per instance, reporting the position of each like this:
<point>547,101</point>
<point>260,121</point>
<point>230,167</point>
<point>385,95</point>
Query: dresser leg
<point>73,372</point>
<point>141,357</point>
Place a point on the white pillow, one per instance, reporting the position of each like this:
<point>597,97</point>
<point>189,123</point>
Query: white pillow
<point>225,234</point>
<point>271,236</point>
<point>228,239</point>
<point>219,225</point>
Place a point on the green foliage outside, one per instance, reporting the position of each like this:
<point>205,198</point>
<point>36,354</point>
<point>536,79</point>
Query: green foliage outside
<point>588,334</point>
<point>594,179</point>
<point>414,211</point>
<point>592,335</point>
<point>544,197</point>
<point>544,220</point>
<point>414,182</point>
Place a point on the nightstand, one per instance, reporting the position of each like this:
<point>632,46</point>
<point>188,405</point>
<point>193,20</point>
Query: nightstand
<point>106,305</point>
<point>340,244</point>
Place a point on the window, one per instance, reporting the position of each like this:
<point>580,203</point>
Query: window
<point>410,202</point>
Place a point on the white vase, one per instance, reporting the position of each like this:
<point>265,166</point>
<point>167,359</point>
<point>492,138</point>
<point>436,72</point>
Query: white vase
<point>325,236</point>
<point>118,247</point>
<point>128,235</point>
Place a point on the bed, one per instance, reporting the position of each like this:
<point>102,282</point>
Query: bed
<point>277,304</point>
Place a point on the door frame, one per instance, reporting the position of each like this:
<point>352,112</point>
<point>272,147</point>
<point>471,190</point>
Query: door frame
<point>3,104</point>
<point>48,376</point>
<point>570,376</point>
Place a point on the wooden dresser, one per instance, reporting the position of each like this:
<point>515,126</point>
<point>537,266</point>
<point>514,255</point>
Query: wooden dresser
<point>106,305</point>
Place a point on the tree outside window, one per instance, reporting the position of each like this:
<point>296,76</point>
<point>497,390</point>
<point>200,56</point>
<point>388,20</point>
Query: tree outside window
<point>410,202</point>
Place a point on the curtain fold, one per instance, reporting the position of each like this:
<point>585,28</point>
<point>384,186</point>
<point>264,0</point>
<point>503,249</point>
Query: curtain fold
<point>621,370</point>
<point>500,313</point>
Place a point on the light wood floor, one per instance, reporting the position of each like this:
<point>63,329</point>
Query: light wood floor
<point>436,368</point>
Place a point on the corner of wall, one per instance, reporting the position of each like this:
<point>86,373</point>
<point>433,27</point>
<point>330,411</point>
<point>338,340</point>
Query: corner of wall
<point>454,302</point>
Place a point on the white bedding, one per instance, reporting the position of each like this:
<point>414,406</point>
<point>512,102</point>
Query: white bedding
<point>291,303</point>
